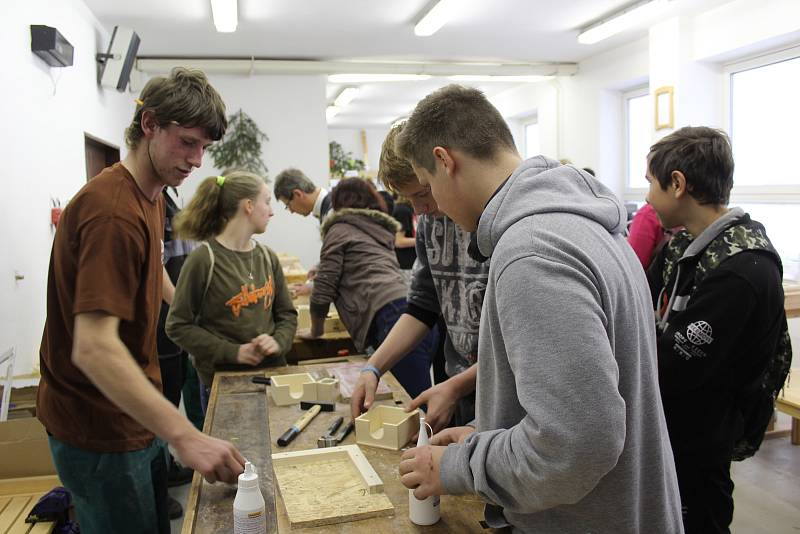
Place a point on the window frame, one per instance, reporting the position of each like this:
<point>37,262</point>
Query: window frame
<point>631,193</point>
<point>755,194</point>
<point>524,123</point>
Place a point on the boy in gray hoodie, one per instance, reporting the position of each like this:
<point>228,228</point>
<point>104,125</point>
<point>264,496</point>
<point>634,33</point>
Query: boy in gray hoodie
<point>570,433</point>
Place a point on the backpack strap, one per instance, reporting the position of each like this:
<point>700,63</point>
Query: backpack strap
<point>208,281</point>
<point>270,278</point>
<point>265,250</point>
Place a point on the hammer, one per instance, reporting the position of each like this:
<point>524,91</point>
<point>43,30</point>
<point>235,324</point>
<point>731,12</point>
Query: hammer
<point>329,439</point>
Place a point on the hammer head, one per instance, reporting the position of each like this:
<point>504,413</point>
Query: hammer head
<point>324,406</point>
<point>326,441</point>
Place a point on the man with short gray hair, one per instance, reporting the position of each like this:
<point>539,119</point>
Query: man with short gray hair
<point>299,194</point>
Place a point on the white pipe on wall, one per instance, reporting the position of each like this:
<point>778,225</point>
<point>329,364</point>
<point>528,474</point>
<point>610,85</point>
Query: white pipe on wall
<point>252,66</point>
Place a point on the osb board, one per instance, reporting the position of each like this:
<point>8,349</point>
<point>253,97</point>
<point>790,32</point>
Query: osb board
<point>326,487</point>
<point>237,412</point>
<point>459,513</point>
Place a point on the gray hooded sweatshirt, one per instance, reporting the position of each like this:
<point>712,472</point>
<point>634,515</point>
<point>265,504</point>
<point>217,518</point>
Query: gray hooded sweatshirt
<point>570,434</point>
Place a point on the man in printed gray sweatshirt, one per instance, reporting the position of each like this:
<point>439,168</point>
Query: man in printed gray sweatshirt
<point>570,430</point>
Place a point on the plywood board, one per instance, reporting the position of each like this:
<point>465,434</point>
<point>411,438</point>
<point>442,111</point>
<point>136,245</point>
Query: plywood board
<point>348,374</point>
<point>329,486</point>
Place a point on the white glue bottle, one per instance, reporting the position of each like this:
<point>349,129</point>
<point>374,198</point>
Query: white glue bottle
<point>426,511</point>
<point>249,514</point>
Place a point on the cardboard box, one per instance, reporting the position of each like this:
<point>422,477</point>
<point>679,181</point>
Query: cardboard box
<point>24,450</point>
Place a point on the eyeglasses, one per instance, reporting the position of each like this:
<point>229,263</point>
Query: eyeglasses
<point>287,204</point>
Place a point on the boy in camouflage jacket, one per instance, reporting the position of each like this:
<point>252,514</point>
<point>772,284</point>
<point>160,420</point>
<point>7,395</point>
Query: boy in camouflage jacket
<point>723,344</point>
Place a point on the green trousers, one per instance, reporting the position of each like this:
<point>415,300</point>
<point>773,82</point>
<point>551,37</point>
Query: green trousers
<point>118,492</point>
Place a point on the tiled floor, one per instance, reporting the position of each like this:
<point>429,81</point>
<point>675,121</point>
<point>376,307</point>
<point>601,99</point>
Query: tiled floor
<point>767,494</point>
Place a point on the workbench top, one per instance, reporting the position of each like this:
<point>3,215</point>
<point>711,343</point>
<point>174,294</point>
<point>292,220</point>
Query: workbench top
<point>234,414</point>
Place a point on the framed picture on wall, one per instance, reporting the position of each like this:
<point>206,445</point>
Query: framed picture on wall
<point>664,113</point>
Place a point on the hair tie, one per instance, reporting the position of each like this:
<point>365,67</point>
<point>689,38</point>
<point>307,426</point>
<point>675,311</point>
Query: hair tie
<point>220,180</point>
<point>138,101</point>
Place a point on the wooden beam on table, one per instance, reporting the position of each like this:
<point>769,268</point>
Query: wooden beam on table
<point>237,412</point>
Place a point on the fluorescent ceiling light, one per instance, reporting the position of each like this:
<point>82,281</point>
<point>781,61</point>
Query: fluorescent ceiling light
<point>346,96</point>
<point>225,15</point>
<point>331,112</point>
<point>437,17</point>
<point>483,78</point>
<point>370,78</point>
<point>621,21</point>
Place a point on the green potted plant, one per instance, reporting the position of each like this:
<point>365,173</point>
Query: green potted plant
<point>341,161</point>
<point>240,148</point>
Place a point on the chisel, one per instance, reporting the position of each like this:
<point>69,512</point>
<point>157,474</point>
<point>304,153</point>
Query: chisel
<point>298,426</point>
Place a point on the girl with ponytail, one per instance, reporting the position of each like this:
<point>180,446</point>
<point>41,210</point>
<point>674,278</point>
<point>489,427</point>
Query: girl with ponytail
<point>231,304</point>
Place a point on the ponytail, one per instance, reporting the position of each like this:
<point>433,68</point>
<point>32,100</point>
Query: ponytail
<point>215,203</point>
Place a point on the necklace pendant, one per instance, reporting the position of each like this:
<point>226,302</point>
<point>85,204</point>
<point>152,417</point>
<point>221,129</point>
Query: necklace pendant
<point>250,275</point>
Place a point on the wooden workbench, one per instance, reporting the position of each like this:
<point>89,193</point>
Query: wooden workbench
<point>788,402</point>
<point>791,293</point>
<point>234,414</point>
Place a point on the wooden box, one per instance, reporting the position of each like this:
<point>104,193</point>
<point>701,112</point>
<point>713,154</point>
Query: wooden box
<point>301,387</point>
<point>323,390</point>
<point>387,427</point>
<point>290,389</point>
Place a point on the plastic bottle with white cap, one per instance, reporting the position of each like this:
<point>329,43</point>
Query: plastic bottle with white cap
<point>426,511</point>
<point>249,513</point>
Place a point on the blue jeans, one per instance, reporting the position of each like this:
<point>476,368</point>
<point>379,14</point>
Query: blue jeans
<point>414,370</point>
<point>119,492</point>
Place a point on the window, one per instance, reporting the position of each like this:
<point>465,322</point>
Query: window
<point>532,146</point>
<point>638,135</point>
<point>764,117</point>
<point>780,221</point>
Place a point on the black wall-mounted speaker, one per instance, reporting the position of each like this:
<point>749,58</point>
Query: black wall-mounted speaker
<point>51,46</point>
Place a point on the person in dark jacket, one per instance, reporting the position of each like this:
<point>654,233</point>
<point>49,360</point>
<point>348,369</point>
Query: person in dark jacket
<point>358,271</point>
<point>721,323</point>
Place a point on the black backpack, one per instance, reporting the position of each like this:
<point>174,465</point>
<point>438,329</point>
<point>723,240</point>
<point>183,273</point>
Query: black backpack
<point>757,403</point>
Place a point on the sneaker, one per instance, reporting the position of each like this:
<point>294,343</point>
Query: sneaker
<point>178,475</point>
<point>174,508</point>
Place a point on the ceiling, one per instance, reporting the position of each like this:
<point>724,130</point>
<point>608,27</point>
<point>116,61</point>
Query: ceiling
<point>510,31</point>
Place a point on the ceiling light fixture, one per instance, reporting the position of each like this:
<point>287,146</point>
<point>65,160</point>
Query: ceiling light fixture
<point>225,15</point>
<point>346,96</point>
<point>375,78</point>
<point>620,21</point>
<point>484,78</point>
<point>331,112</point>
<point>436,17</point>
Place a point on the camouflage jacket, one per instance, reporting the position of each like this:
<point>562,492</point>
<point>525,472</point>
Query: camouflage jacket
<point>723,341</point>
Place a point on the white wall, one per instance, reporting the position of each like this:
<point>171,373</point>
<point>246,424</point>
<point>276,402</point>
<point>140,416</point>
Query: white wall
<point>43,147</point>
<point>520,103</point>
